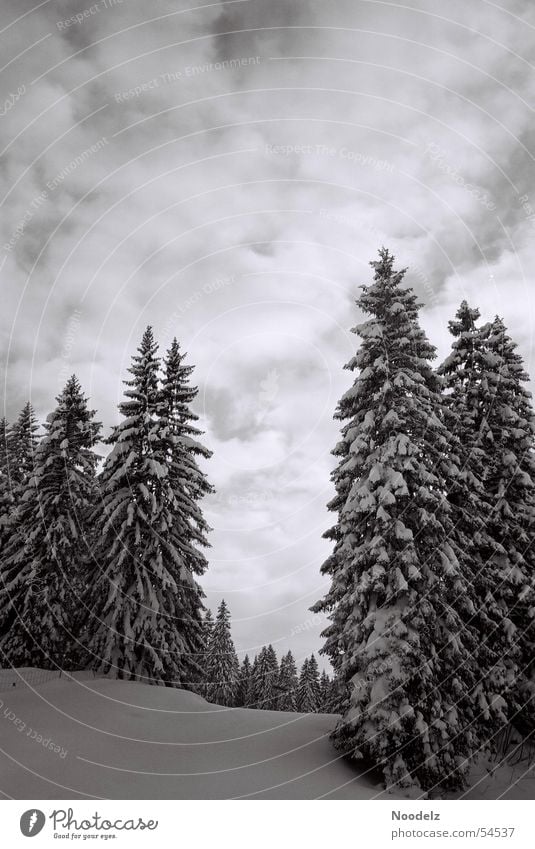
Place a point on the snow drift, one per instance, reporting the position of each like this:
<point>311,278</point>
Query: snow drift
<point>80,737</point>
<point>126,740</point>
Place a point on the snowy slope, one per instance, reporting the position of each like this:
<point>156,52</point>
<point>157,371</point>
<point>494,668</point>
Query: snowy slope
<point>119,739</point>
<point>83,737</point>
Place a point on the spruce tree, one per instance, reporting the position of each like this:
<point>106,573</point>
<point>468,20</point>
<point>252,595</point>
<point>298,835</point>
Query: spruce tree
<point>19,448</point>
<point>302,688</point>
<point>463,374</point>
<point>4,430</point>
<point>178,395</point>
<point>265,679</point>
<point>51,536</point>
<point>223,666</point>
<point>144,603</point>
<point>336,694</point>
<point>22,441</point>
<point>287,684</point>
<point>6,498</point>
<point>189,485</point>
<point>254,676</point>
<point>506,436</point>
<point>208,631</point>
<point>308,691</point>
<point>207,634</point>
<point>325,693</point>
<point>397,602</point>
<point>485,377</point>
<point>245,684</point>
<point>6,506</point>
<point>271,691</point>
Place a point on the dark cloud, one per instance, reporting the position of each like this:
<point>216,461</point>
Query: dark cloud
<point>253,27</point>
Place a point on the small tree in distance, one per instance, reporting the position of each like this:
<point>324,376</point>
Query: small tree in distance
<point>222,666</point>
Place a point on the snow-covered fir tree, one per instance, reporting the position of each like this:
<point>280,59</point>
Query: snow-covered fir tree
<point>485,377</point>
<point>265,680</point>
<point>325,693</point>
<point>20,446</point>
<point>6,498</point>
<point>507,436</point>
<point>287,684</point>
<point>22,441</point>
<point>398,638</point>
<point>189,485</point>
<point>145,610</point>
<point>50,538</point>
<point>302,674</point>
<point>465,382</point>
<point>337,694</point>
<point>223,667</point>
<point>244,695</point>
<point>178,395</point>
<point>208,626</point>
<point>308,690</point>
<point>254,674</point>
<point>6,506</point>
<point>207,632</point>
<point>4,430</point>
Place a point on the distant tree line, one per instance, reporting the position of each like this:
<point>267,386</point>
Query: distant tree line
<point>265,683</point>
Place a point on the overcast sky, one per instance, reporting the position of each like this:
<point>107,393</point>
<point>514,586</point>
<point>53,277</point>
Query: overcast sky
<point>225,172</point>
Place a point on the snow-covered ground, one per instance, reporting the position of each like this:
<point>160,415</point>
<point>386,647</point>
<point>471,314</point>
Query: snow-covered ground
<point>120,739</point>
<point>507,780</point>
<point>80,737</point>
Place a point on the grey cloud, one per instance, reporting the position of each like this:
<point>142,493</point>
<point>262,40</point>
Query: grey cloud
<point>267,22</point>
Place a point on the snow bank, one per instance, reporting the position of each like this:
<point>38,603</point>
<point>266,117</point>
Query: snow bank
<point>120,739</point>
